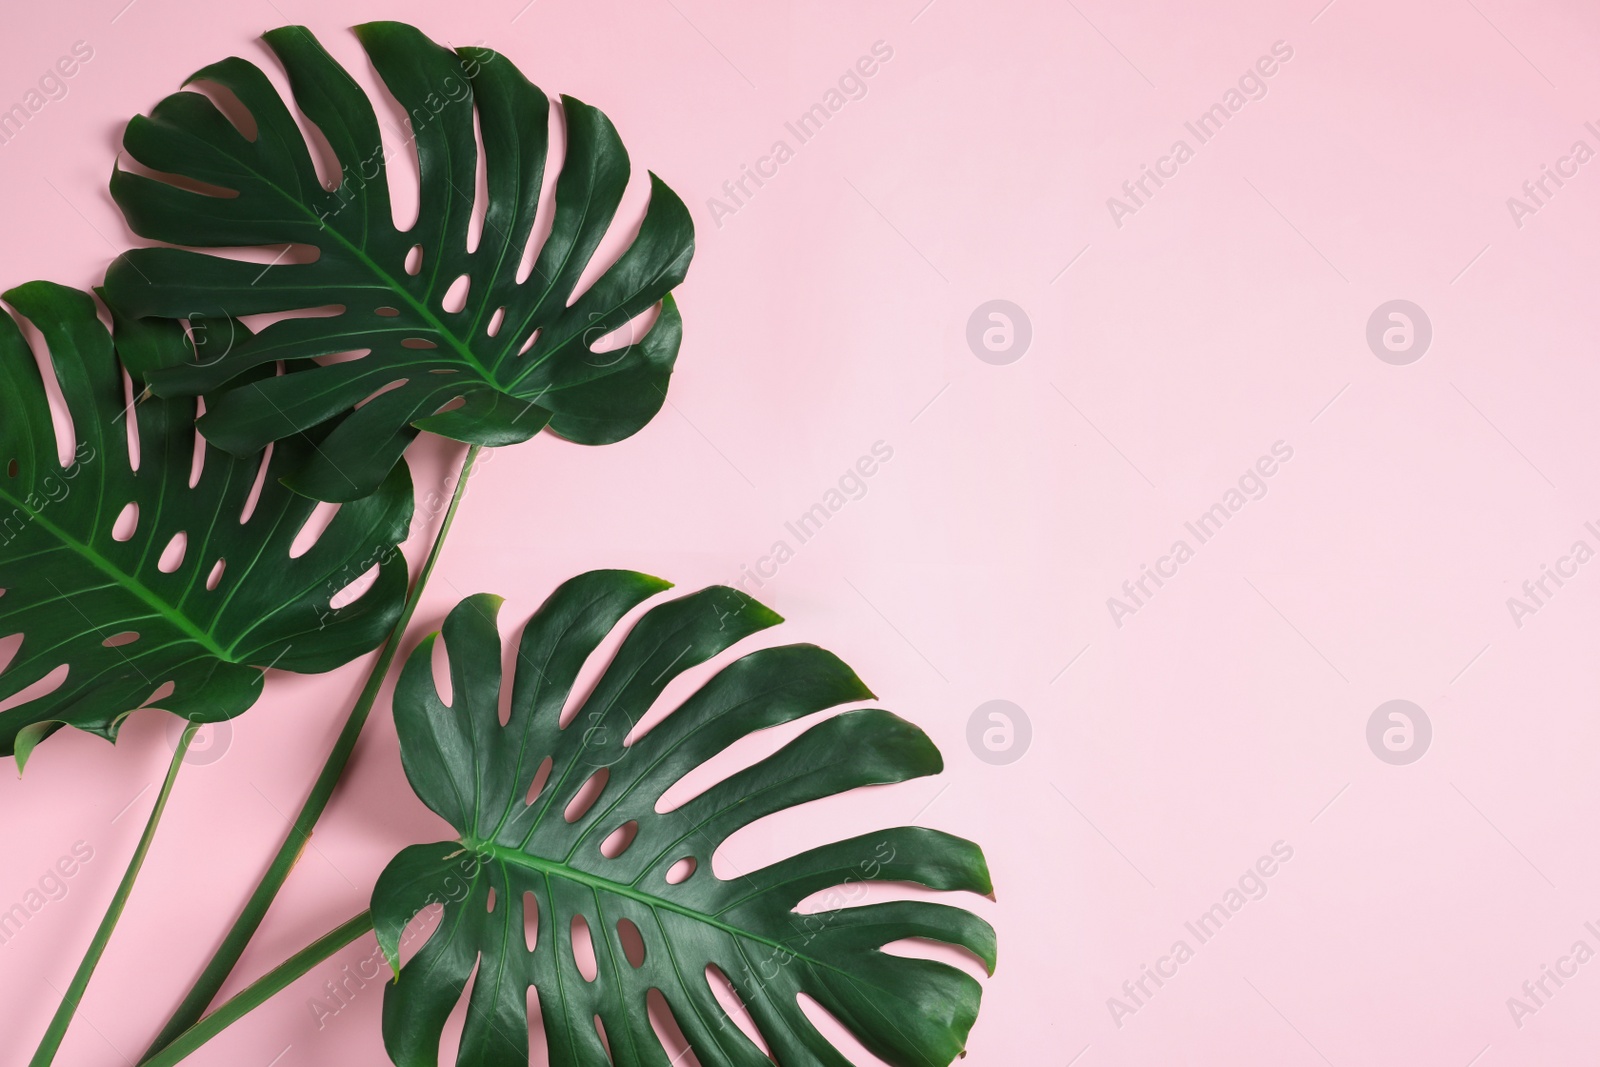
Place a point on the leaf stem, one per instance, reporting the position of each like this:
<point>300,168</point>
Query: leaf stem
<point>51,1042</point>
<point>261,990</point>
<point>222,963</point>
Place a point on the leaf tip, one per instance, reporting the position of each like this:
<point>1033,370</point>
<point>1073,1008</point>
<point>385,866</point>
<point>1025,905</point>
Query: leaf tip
<point>490,604</point>
<point>986,880</point>
<point>393,960</point>
<point>28,739</point>
<point>760,615</point>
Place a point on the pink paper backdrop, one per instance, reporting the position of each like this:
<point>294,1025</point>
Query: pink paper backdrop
<point>1204,324</point>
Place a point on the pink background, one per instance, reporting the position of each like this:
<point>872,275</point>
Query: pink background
<point>830,312</point>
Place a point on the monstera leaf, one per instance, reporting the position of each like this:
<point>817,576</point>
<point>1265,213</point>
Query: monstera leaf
<point>491,367</point>
<point>538,851</point>
<point>158,575</point>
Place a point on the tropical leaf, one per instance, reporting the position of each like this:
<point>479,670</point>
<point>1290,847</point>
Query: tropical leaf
<point>513,357</point>
<point>193,595</point>
<point>530,854</point>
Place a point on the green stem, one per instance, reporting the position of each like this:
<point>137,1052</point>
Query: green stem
<point>261,990</point>
<point>222,963</point>
<point>97,947</point>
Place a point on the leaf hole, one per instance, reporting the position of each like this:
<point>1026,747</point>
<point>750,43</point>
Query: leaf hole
<point>732,1003</point>
<point>453,1033</point>
<point>668,1032</point>
<point>510,661</point>
<point>532,337</point>
<point>130,420</point>
<point>126,637</point>
<point>544,211</point>
<point>841,1036</point>
<point>603,343</point>
<point>232,109</point>
<point>355,590</point>
<point>386,312</point>
<point>489,904</point>
<point>455,297</point>
<point>330,172</point>
<point>480,188</point>
<point>679,872</point>
<point>583,949</point>
<point>538,1042</point>
<point>376,393</point>
<point>414,936</point>
<point>621,232</point>
<point>632,942</point>
<point>530,920</point>
<point>540,777</point>
<point>8,650</point>
<point>38,690</point>
<point>605,1041</point>
<point>215,576</point>
<point>60,413</point>
<point>495,320</point>
<point>12,468</point>
<point>197,453</point>
<point>587,794</point>
<point>414,261</point>
<point>418,344</point>
<point>734,759</point>
<point>349,355</point>
<point>402,169</point>
<point>172,555</point>
<point>312,530</point>
<point>127,522</point>
<point>259,484</point>
<point>160,693</point>
<point>443,684</point>
<point>620,839</point>
<point>927,948</point>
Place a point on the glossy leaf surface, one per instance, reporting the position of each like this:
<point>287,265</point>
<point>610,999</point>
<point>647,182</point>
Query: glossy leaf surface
<point>174,574</point>
<point>491,365</point>
<point>562,839</point>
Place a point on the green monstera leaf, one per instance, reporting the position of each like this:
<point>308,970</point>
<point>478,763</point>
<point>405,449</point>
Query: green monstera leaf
<point>538,849</point>
<point>158,575</point>
<point>511,357</point>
